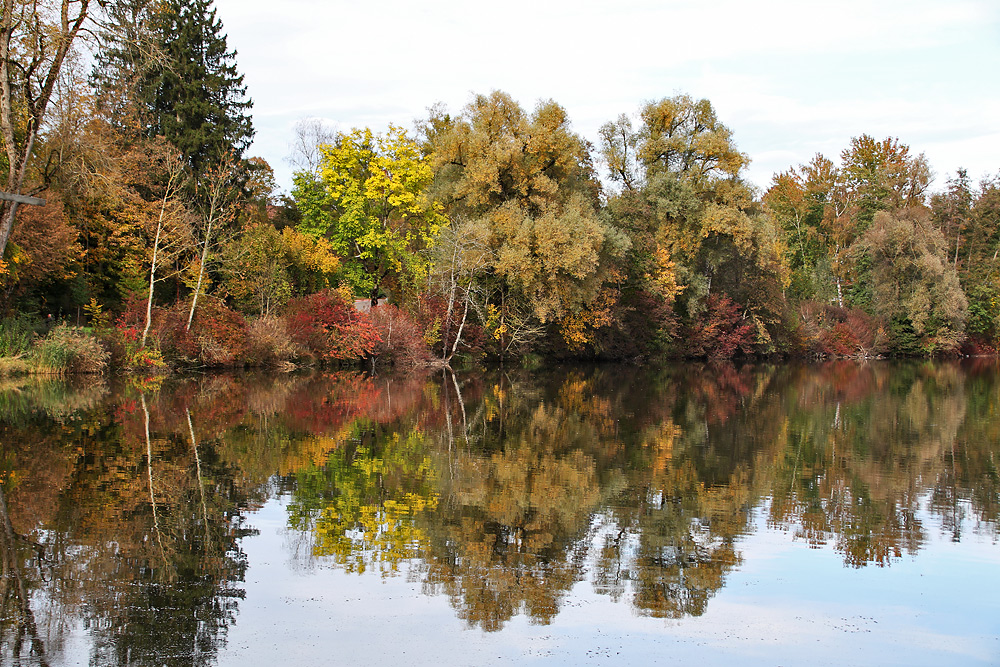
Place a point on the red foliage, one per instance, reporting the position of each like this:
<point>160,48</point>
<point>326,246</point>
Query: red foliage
<point>217,337</point>
<point>831,331</point>
<point>432,313</point>
<point>643,322</point>
<point>719,331</point>
<point>974,346</point>
<point>123,338</point>
<point>329,327</point>
<point>718,386</point>
<point>402,342</point>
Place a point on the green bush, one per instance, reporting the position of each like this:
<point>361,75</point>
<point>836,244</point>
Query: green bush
<point>16,334</point>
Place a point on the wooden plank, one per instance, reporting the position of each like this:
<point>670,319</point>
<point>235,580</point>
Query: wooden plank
<point>22,199</point>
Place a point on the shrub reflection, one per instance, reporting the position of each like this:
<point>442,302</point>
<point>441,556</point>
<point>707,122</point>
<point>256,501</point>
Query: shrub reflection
<point>122,508</point>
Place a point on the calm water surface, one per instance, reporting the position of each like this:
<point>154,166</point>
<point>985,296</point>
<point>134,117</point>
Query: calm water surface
<point>828,514</point>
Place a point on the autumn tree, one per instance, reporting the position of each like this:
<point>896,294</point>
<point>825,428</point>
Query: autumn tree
<point>952,210</point>
<point>529,179</point>
<point>126,232</point>
<point>826,211</point>
<point>914,285</point>
<point>882,175</point>
<point>978,252</point>
<point>263,268</point>
<point>368,197</point>
<point>804,202</point>
<point>695,226</point>
<point>35,38</point>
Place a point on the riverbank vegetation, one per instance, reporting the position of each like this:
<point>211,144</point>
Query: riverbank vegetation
<point>489,232</point>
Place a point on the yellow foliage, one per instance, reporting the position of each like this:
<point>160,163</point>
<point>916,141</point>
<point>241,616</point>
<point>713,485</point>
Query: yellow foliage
<point>577,329</point>
<point>664,276</point>
<point>309,251</point>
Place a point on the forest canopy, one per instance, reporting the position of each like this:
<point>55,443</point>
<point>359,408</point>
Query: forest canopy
<point>489,231</point>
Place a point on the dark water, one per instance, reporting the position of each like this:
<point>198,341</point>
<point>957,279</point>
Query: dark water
<point>831,514</point>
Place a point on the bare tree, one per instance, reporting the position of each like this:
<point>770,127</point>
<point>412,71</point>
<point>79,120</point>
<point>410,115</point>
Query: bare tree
<point>216,204</point>
<point>168,229</point>
<point>461,254</point>
<point>310,134</point>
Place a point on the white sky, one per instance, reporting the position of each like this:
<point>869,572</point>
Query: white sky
<point>789,77</point>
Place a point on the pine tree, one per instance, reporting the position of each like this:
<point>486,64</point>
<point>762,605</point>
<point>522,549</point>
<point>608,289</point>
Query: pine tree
<point>198,99</point>
<point>166,69</point>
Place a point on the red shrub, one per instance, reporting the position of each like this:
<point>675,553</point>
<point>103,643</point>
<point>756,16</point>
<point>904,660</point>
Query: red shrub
<point>402,340</point>
<point>645,322</point>
<point>975,346</point>
<point>439,330</point>
<point>719,331</point>
<point>123,338</point>
<point>217,337</point>
<point>329,327</point>
<point>842,332</point>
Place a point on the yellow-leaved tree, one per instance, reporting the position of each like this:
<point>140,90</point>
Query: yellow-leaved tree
<point>528,181</point>
<point>368,197</point>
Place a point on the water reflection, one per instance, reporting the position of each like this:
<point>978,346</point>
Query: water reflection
<point>122,509</point>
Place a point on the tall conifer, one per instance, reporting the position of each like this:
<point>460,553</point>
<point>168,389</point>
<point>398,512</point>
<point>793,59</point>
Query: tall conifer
<point>198,99</point>
<point>166,70</point>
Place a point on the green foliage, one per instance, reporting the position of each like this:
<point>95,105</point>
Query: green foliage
<point>912,281</point>
<point>16,335</point>
<point>196,98</point>
<point>880,175</point>
<point>254,272</point>
<point>984,311</point>
<point>904,339</point>
<point>799,201</point>
<point>369,199</point>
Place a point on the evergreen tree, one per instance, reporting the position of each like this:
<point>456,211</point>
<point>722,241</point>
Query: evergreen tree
<point>166,70</point>
<point>197,99</point>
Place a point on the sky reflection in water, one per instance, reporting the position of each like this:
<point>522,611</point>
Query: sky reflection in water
<point>767,514</point>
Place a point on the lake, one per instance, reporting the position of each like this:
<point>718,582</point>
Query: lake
<point>824,514</point>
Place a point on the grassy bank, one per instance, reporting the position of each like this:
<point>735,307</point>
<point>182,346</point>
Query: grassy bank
<point>27,348</point>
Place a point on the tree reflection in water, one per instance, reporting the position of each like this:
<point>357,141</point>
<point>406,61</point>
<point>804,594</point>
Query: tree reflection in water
<point>134,535</point>
<point>502,491</point>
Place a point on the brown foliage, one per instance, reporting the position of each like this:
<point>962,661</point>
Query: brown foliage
<point>46,246</point>
<point>268,342</point>
<point>402,341</point>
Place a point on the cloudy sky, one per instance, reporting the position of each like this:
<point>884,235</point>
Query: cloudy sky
<point>790,78</point>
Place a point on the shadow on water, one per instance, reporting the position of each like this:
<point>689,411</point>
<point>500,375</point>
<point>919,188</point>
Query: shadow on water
<point>122,509</point>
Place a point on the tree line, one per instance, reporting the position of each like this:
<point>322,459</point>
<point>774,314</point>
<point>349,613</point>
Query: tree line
<point>491,232</point>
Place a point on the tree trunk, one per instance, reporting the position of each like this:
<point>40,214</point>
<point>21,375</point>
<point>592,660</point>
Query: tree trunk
<point>152,282</point>
<point>201,273</point>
